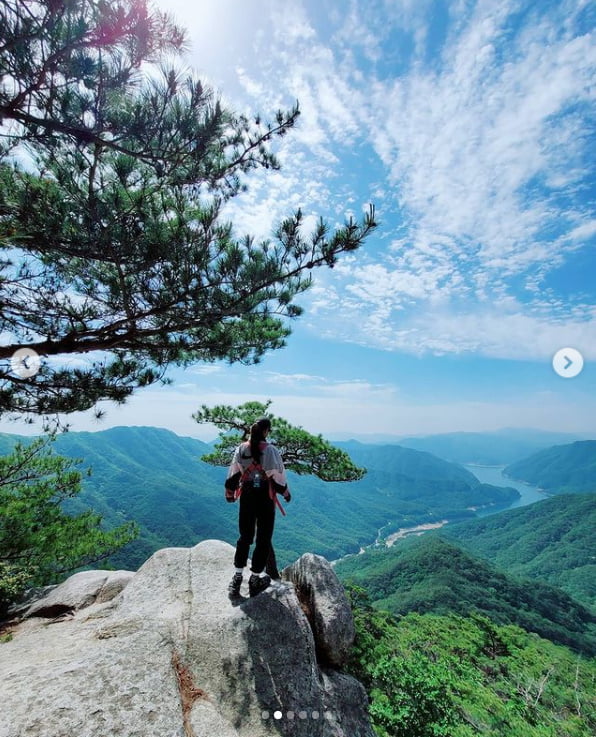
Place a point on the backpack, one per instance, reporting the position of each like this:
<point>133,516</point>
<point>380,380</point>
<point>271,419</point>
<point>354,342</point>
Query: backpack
<point>255,476</point>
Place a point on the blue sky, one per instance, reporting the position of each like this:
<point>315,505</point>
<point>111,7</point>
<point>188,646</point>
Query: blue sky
<point>470,126</point>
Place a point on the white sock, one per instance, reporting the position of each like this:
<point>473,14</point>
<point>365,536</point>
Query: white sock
<point>239,570</point>
<point>262,574</point>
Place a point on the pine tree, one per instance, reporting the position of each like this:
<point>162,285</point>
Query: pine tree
<point>39,541</point>
<point>114,168</point>
<point>301,451</point>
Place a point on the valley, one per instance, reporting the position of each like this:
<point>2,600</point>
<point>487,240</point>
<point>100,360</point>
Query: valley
<point>455,572</point>
<point>157,479</point>
<point>528,493</point>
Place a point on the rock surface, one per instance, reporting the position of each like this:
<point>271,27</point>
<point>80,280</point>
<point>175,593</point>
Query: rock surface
<point>80,591</point>
<point>325,604</point>
<point>172,656</point>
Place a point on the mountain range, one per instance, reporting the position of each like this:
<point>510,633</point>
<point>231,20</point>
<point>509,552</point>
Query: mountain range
<point>563,469</point>
<point>432,575</point>
<point>156,478</point>
<point>553,541</point>
<point>533,566</point>
<point>498,448</point>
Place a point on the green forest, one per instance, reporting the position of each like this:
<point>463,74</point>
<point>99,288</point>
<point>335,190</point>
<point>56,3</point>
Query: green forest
<point>552,541</point>
<point>431,575</point>
<point>563,469</point>
<point>431,675</point>
<point>484,628</point>
<point>155,478</point>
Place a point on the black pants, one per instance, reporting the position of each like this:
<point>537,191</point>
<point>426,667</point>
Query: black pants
<point>257,512</point>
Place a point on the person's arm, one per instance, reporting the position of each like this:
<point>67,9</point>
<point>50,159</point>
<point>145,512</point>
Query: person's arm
<point>274,469</point>
<point>283,490</point>
<point>232,481</point>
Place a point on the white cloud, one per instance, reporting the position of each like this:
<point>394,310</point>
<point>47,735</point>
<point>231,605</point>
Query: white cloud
<point>503,329</point>
<point>481,160</point>
<point>515,336</point>
<point>275,378</point>
<point>355,407</point>
<point>485,153</point>
<point>583,232</point>
<point>207,369</point>
<point>330,407</point>
<point>469,139</point>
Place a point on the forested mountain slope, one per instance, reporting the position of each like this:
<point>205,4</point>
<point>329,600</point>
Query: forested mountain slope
<point>465,677</point>
<point>431,575</point>
<point>562,469</point>
<point>156,478</point>
<point>553,540</point>
<point>424,483</point>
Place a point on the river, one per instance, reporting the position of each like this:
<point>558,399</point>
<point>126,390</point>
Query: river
<point>486,475</point>
<point>494,475</point>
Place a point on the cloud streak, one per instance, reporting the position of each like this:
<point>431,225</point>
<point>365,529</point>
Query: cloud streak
<point>471,124</point>
<point>486,153</point>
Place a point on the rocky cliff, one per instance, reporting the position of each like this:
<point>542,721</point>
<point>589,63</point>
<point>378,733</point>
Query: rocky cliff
<point>164,653</point>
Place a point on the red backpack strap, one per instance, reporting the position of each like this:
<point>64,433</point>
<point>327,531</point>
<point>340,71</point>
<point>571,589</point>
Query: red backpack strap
<point>253,467</point>
<point>275,498</point>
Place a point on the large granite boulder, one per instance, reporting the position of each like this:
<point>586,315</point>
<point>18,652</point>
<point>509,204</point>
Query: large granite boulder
<point>172,656</point>
<point>80,591</point>
<point>324,602</point>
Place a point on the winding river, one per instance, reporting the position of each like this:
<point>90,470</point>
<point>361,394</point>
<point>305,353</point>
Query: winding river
<point>486,475</point>
<point>494,475</point>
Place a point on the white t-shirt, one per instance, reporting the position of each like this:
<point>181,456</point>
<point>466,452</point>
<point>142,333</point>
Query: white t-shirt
<point>271,462</point>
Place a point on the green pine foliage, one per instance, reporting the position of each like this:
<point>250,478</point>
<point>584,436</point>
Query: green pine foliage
<point>562,469</point>
<point>552,540</point>
<point>430,575</point>
<point>39,541</point>
<point>452,676</point>
<point>114,239</point>
<point>302,452</point>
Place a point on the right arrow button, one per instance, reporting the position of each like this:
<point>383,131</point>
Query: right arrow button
<point>568,362</point>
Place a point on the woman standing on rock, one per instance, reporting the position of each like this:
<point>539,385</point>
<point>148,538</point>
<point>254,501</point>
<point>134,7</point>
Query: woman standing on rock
<point>256,475</point>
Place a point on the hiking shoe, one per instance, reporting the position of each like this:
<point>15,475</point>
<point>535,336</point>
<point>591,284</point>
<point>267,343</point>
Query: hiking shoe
<point>256,584</point>
<point>234,585</point>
